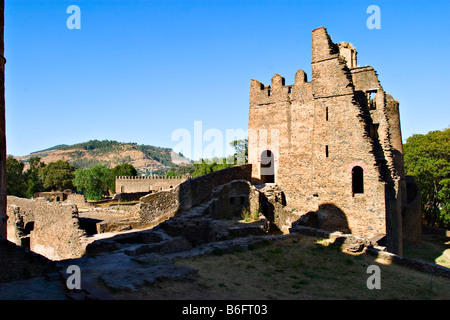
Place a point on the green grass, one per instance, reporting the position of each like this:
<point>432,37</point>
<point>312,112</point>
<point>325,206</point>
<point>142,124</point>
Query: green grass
<point>249,215</point>
<point>307,268</point>
<point>435,249</point>
<point>297,267</point>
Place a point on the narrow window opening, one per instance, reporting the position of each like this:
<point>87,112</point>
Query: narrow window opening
<point>374,130</point>
<point>326,151</point>
<point>268,92</point>
<point>357,180</point>
<point>289,89</point>
<point>371,98</point>
<point>326,113</point>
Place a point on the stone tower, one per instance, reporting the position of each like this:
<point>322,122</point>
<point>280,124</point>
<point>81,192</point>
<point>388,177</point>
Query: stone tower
<point>333,145</point>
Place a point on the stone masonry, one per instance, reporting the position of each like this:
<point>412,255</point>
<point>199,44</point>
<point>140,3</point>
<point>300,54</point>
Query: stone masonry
<point>49,229</point>
<point>333,145</point>
<point>146,184</point>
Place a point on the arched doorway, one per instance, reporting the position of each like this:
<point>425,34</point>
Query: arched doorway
<point>267,167</point>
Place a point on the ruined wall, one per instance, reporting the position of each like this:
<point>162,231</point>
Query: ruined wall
<point>340,121</point>
<point>77,199</point>
<point>49,229</point>
<point>164,204</point>
<point>144,184</point>
<point>17,263</point>
<point>232,197</point>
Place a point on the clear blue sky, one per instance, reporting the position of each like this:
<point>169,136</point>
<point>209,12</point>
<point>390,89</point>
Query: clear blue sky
<point>138,70</point>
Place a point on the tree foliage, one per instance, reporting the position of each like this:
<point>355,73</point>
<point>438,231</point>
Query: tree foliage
<point>33,178</point>
<point>15,178</point>
<point>93,182</point>
<point>427,158</point>
<point>57,175</point>
<point>125,169</point>
<point>206,166</point>
<point>240,151</point>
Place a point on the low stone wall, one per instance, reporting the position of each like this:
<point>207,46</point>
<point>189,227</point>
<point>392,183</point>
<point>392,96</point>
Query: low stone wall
<point>18,263</point>
<point>77,199</point>
<point>49,229</point>
<point>164,204</point>
<point>134,196</point>
<point>146,184</point>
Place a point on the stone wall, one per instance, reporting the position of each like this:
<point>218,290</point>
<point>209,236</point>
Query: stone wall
<point>77,199</point>
<point>49,229</point>
<point>164,204</point>
<point>232,197</point>
<point>18,263</point>
<point>146,184</point>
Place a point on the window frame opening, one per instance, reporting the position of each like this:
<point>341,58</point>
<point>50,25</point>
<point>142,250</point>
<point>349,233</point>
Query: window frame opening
<point>357,180</point>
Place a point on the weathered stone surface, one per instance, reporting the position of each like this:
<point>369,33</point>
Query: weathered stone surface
<point>351,243</point>
<point>126,185</point>
<point>50,229</point>
<point>160,206</point>
<point>333,145</point>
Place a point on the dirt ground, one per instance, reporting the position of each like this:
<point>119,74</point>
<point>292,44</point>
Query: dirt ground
<point>295,268</point>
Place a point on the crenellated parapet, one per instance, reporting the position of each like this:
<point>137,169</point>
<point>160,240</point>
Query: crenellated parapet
<point>150,177</point>
<point>129,184</point>
<point>277,91</point>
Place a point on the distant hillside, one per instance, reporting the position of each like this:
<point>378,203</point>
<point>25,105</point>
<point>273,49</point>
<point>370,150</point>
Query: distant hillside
<point>109,153</point>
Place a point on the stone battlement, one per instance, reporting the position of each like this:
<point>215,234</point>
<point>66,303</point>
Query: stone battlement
<point>149,178</point>
<point>127,184</point>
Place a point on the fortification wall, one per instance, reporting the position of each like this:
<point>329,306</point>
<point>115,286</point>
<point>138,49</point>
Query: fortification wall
<point>145,184</point>
<point>49,229</point>
<point>192,192</point>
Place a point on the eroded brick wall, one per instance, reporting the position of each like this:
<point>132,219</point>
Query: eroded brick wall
<point>49,229</point>
<point>146,184</point>
<point>164,204</point>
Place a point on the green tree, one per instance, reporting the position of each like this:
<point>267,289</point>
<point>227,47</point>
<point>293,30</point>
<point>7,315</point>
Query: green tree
<point>427,158</point>
<point>184,169</point>
<point>15,178</point>
<point>209,165</point>
<point>93,182</point>
<point>240,151</point>
<point>125,169</point>
<point>57,175</point>
<point>33,179</point>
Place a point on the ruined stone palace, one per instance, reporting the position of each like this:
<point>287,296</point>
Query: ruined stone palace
<point>333,145</point>
<point>323,154</point>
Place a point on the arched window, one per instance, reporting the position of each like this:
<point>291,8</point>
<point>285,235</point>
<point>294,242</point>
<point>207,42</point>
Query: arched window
<point>357,180</point>
<point>267,167</point>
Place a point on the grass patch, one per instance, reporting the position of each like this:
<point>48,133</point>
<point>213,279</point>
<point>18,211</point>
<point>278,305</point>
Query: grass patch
<point>249,215</point>
<point>303,267</point>
<point>434,249</point>
<point>296,267</point>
